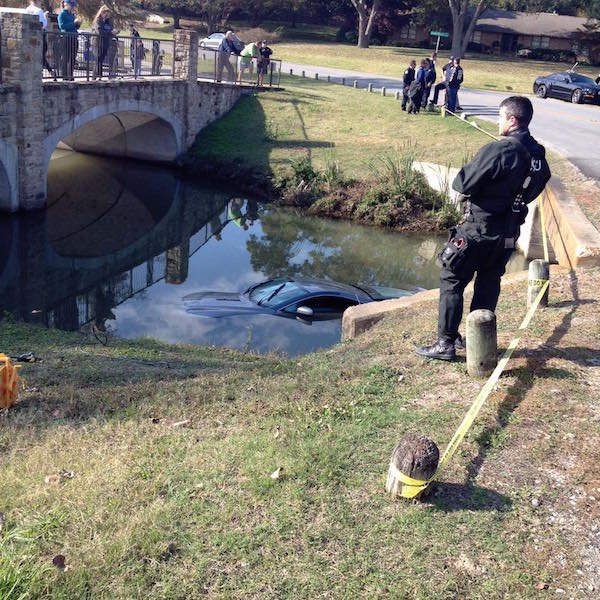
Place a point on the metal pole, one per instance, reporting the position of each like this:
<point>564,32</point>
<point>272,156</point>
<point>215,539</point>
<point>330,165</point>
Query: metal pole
<point>437,46</point>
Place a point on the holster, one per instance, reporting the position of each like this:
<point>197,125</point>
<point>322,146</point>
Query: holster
<point>454,251</point>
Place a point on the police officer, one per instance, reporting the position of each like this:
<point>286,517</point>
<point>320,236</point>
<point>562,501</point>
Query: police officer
<point>493,187</point>
<point>408,78</point>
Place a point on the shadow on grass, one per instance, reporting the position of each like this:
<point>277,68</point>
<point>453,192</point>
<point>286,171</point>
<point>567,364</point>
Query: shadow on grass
<point>449,497</point>
<point>526,376</point>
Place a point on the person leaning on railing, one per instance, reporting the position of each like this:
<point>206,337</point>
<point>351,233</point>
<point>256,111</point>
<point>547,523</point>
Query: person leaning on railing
<point>68,24</point>
<point>226,48</point>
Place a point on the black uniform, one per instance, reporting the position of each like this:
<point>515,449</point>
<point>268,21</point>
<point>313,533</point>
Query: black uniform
<point>485,240</point>
<point>407,78</point>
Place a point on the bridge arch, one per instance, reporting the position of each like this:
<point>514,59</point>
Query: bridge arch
<point>122,128</point>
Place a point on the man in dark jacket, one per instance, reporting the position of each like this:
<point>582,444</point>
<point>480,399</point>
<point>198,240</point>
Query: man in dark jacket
<point>493,187</point>
<point>407,78</point>
<point>226,48</point>
<point>430,77</point>
<point>415,91</point>
<point>454,83</point>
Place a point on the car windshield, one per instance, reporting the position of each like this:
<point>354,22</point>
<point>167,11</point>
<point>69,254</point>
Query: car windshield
<point>216,36</point>
<point>581,79</point>
<point>277,291</point>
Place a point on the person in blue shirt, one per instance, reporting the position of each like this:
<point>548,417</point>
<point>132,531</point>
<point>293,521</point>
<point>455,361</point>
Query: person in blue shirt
<point>226,48</point>
<point>68,24</point>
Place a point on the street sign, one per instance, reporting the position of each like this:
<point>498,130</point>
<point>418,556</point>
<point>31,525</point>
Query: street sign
<point>439,33</point>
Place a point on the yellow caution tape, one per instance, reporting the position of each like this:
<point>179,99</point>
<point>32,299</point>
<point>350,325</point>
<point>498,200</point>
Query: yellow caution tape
<point>413,487</point>
<point>536,282</point>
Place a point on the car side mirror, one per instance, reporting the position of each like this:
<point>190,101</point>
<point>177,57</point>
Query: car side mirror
<point>305,311</point>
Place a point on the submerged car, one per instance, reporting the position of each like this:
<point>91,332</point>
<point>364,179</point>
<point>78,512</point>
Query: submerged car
<point>289,297</point>
<point>568,86</point>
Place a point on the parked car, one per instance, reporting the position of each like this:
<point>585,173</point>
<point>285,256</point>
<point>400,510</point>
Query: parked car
<point>287,297</point>
<point>567,86</point>
<point>213,41</point>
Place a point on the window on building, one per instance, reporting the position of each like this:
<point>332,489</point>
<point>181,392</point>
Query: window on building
<point>540,41</point>
<point>408,32</point>
<point>476,37</point>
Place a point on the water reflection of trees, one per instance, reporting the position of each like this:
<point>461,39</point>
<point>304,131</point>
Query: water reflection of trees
<point>293,244</point>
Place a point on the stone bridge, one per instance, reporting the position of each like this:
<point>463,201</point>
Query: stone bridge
<point>154,120</point>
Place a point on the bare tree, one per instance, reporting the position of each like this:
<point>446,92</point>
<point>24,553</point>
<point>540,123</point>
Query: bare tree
<point>366,17</point>
<point>464,18</point>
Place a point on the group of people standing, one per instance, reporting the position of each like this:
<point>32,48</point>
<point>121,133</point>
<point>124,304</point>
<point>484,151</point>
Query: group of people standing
<point>418,83</point>
<point>248,54</point>
<point>101,51</point>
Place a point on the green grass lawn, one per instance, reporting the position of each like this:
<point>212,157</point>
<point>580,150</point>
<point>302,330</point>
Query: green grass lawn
<point>331,123</point>
<point>166,455</point>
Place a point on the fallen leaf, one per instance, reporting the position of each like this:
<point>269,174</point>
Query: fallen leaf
<point>59,562</point>
<point>52,479</point>
<point>541,586</point>
<point>276,473</point>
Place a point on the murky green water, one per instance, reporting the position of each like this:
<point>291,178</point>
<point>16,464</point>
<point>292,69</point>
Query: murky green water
<point>121,243</point>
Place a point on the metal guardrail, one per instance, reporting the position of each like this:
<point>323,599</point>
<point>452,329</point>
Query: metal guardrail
<point>222,66</point>
<point>89,56</point>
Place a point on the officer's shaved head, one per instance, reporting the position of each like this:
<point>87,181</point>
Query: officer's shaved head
<point>518,107</point>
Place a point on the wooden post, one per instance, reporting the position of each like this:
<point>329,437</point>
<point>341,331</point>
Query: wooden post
<point>291,71</point>
<point>482,343</point>
<point>370,87</point>
<point>415,456</point>
<point>316,76</point>
<point>303,74</point>
<point>539,273</point>
<point>355,84</point>
<point>383,91</point>
<point>397,95</point>
<point>328,78</point>
<point>443,111</point>
<point>343,81</point>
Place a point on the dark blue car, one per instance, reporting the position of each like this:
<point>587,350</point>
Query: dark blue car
<point>568,86</point>
<point>287,297</point>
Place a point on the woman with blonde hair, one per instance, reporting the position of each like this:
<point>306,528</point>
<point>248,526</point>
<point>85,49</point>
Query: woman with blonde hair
<point>102,26</point>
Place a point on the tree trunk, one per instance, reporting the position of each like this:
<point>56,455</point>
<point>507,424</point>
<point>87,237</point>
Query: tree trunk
<point>459,9</point>
<point>365,20</point>
<point>176,18</point>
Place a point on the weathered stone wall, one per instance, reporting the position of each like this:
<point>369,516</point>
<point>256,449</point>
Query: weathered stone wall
<point>149,119</point>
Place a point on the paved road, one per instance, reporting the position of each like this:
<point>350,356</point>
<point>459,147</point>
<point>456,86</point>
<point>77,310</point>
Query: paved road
<point>572,130</point>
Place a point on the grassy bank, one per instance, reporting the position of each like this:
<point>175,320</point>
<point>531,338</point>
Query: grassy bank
<point>148,466</point>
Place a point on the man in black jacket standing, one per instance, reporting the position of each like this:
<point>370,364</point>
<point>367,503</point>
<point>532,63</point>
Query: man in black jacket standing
<point>408,77</point>
<point>493,188</point>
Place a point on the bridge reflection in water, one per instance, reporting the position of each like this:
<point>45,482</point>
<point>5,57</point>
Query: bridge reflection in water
<point>76,261</point>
